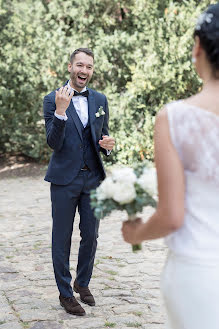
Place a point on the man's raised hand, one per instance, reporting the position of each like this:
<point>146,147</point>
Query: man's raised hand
<point>63,98</point>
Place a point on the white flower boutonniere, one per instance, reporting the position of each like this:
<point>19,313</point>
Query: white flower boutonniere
<point>99,112</point>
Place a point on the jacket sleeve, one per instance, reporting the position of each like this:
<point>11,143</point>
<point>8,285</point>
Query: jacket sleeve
<point>105,130</point>
<point>55,128</point>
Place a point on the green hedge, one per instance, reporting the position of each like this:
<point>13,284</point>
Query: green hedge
<point>142,61</point>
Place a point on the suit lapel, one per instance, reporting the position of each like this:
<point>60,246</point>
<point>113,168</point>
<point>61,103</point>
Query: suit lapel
<point>72,112</point>
<point>92,111</point>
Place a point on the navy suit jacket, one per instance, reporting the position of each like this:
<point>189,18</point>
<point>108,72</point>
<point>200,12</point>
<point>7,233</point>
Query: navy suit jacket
<point>65,137</point>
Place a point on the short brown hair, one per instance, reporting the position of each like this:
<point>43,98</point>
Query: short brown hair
<point>81,50</point>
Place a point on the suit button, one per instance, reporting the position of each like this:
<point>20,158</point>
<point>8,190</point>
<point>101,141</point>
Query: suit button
<point>81,146</point>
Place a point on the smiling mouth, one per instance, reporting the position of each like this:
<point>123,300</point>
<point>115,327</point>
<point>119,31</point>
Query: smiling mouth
<point>82,78</point>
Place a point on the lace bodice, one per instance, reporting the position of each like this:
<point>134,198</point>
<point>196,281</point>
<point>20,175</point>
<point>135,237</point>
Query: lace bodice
<point>195,135</point>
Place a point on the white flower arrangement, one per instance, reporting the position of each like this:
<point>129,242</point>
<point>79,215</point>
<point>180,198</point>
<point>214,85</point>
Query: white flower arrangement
<point>99,112</point>
<point>148,180</point>
<point>125,189</point>
<point>204,18</point>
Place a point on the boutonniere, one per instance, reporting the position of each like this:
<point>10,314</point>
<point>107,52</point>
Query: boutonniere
<point>99,112</point>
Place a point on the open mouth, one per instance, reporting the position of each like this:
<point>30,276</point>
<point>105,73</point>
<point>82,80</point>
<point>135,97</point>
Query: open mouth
<point>82,79</point>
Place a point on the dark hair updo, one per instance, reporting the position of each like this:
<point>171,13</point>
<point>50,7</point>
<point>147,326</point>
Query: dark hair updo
<point>207,29</point>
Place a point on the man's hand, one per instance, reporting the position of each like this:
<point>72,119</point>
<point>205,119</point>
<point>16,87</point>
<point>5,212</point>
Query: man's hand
<point>130,230</point>
<point>63,98</point>
<point>107,142</point>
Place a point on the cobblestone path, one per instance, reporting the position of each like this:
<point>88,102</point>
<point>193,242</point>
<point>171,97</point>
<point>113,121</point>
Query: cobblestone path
<point>126,285</point>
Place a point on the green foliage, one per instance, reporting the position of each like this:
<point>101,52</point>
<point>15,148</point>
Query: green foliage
<point>142,61</point>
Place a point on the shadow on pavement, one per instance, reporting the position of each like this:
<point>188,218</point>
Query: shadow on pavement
<point>20,166</point>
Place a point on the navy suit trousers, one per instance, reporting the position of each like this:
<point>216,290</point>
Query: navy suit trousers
<point>65,200</point>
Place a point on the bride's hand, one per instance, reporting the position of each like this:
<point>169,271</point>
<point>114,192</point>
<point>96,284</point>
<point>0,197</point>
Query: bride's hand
<point>130,231</point>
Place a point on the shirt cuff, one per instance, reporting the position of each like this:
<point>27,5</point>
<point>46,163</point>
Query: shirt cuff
<point>61,117</point>
<point>108,152</point>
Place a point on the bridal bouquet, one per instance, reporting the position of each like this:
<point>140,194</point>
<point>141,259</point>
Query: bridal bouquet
<point>128,189</point>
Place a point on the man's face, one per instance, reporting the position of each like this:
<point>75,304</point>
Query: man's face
<point>81,70</point>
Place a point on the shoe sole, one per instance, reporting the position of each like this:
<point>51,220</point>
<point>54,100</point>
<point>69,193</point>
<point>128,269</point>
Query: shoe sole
<point>75,290</point>
<point>87,303</point>
<point>72,313</point>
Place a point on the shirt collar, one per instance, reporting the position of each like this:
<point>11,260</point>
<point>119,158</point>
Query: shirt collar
<point>68,84</point>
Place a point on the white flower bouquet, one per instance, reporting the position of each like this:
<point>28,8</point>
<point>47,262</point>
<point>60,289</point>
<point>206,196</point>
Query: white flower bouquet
<point>125,189</point>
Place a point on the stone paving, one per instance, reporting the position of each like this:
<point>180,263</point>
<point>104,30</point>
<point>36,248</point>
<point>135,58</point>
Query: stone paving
<point>125,284</point>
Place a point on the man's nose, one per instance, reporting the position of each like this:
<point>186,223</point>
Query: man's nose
<point>84,70</point>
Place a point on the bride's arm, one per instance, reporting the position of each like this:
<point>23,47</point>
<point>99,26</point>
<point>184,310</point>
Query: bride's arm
<point>169,214</point>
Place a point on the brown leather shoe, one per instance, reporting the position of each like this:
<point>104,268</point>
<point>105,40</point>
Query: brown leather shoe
<point>71,305</point>
<point>85,294</point>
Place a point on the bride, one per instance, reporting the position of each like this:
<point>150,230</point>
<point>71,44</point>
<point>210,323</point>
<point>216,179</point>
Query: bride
<point>187,163</point>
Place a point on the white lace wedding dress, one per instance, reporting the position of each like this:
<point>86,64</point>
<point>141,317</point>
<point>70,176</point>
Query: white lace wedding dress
<point>190,280</point>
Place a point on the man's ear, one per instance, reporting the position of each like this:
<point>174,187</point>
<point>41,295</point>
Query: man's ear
<point>69,67</point>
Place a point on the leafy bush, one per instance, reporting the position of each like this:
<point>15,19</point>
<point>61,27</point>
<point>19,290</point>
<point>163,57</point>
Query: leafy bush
<point>142,61</point>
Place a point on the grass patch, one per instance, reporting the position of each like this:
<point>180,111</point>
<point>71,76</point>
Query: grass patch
<point>112,272</point>
<point>133,324</point>
<point>110,325</point>
<point>97,262</point>
<point>106,288</point>
<point>37,245</point>
<point>137,313</point>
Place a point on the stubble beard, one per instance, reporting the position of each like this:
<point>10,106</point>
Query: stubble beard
<point>73,77</point>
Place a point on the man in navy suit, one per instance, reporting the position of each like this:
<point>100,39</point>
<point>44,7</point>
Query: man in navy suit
<point>76,120</point>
